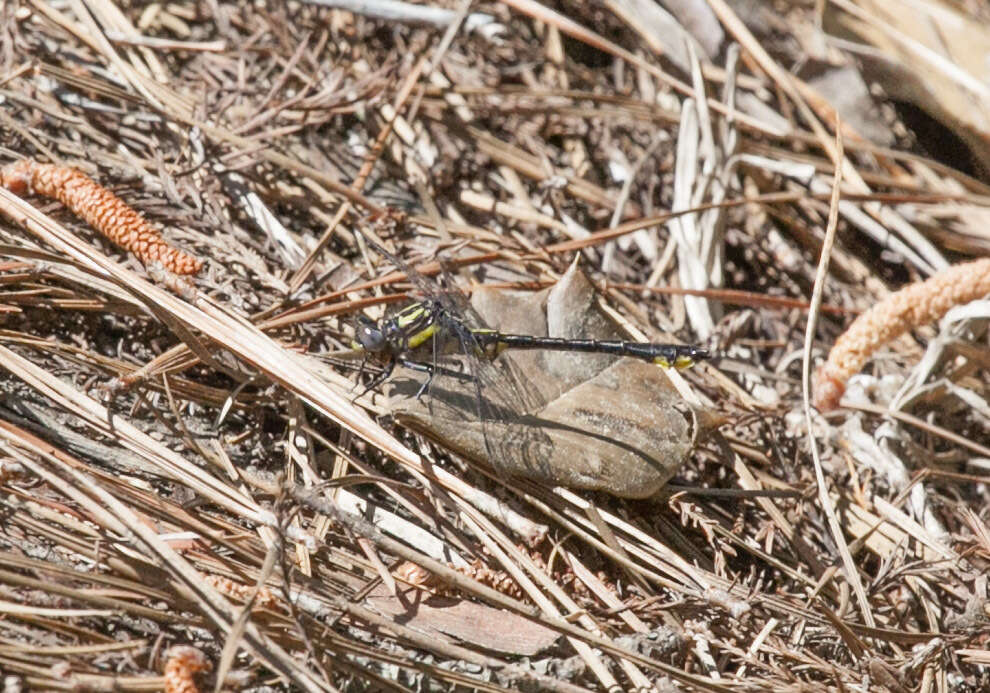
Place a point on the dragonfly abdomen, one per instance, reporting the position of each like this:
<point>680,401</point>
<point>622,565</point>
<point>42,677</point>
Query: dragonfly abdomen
<point>667,355</point>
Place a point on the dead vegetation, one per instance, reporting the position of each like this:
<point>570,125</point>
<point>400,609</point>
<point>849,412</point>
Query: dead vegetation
<point>188,486</point>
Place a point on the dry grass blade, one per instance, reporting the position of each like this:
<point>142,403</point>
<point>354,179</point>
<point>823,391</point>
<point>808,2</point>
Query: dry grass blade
<point>852,575</point>
<point>222,327</point>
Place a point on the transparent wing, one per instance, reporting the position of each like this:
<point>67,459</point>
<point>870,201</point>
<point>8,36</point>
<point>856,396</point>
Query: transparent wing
<point>489,402</point>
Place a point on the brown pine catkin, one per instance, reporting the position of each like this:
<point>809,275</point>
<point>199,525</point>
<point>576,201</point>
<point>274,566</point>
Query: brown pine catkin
<point>181,666</point>
<point>103,210</point>
<point>912,306</point>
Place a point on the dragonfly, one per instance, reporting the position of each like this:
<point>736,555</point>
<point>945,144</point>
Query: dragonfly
<point>623,429</point>
<point>431,321</point>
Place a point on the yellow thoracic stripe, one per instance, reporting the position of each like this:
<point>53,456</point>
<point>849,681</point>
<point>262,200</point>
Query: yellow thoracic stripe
<point>423,335</point>
<point>407,320</point>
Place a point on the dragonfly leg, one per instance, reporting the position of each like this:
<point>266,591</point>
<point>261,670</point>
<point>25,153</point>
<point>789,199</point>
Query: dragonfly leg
<point>426,383</point>
<point>360,373</point>
<point>422,368</point>
<point>377,380</point>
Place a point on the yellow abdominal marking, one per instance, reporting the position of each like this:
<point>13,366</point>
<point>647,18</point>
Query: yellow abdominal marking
<point>680,363</point>
<point>492,349</point>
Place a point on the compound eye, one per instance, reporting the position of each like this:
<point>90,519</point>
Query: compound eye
<point>369,336</point>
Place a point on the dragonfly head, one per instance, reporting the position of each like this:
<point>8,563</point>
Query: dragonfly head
<point>369,336</point>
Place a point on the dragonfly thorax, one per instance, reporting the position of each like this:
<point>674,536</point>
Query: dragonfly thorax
<point>408,329</point>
